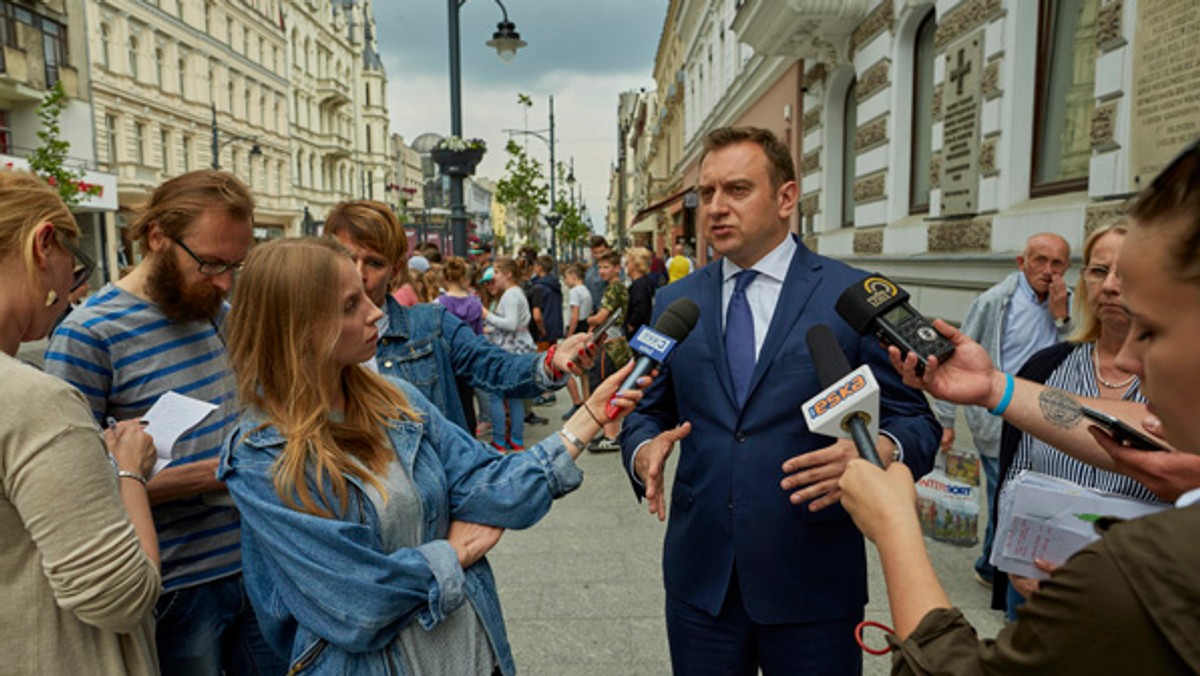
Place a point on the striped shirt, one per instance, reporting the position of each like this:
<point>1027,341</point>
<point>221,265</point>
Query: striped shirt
<point>1075,375</point>
<point>122,353</point>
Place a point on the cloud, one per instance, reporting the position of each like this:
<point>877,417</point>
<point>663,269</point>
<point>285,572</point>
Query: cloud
<point>585,111</point>
<point>583,53</point>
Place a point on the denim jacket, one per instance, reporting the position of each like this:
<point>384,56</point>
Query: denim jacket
<point>328,596</point>
<point>427,346</point>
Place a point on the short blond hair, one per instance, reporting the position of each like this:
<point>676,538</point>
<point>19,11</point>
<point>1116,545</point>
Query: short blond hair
<point>640,257</point>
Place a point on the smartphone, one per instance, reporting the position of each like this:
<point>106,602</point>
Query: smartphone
<point>1120,431</point>
<point>601,330</point>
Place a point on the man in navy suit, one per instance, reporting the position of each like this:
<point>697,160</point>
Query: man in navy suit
<point>763,567</point>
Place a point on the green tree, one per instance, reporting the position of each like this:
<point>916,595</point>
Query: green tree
<point>49,159</point>
<point>523,189</point>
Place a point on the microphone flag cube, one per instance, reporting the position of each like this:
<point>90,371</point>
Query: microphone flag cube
<point>651,343</point>
<point>856,392</point>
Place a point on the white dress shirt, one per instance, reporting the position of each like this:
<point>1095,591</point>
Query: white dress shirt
<point>762,294</point>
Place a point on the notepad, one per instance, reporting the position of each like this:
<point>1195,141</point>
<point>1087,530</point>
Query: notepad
<point>169,418</point>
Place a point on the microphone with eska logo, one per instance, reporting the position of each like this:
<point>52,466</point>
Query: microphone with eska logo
<point>877,306</point>
<point>848,407</point>
<point>655,345</point>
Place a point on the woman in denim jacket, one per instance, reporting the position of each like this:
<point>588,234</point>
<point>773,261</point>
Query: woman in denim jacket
<point>366,514</point>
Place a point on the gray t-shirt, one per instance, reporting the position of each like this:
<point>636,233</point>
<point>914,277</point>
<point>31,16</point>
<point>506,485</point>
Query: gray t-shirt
<point>459,645</point>
<point>580,296</point>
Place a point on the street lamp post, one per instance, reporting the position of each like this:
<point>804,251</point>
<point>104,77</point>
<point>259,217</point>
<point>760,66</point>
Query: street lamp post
<point>506,41</point>
<point>217,144</point>
<point>553,173</point>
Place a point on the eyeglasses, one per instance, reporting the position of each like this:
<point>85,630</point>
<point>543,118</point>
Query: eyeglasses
<point>209,268</point>
<point>84,265</point>
<point>1096,274</point>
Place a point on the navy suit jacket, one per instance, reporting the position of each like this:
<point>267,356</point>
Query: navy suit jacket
<point>726,503</point>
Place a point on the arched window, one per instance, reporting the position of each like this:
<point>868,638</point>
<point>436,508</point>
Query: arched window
<point>849,152</point>
<point>921,159</point>
<point>158,66</point>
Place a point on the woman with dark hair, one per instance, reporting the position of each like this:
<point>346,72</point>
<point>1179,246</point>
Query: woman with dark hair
<point>366,514</point>
<point>1128,603</point>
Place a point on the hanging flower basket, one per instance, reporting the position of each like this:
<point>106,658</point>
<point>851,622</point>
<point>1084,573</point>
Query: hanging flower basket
<point>456,157</point>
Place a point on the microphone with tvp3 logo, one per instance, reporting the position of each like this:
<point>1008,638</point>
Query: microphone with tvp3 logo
<point>877,306</point>
<point>655,345</point>
<point>848,407</point>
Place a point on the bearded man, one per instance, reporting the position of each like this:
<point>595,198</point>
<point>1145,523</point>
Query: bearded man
<point>156,330</point>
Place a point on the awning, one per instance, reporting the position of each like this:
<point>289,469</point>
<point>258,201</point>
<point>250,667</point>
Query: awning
<point>658,206</point>
<point>646,225</point>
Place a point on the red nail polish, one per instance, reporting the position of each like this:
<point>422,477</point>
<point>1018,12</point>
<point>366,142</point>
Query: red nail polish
<point>570,364</point>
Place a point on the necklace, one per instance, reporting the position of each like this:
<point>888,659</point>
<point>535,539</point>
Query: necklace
<point>1100,378</point>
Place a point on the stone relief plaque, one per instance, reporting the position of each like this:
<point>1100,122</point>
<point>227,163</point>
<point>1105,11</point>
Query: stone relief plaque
<point>1165,110</point>
<point>962,100</point>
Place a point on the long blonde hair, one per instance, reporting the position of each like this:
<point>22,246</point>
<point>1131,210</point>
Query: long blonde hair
<point>284,323</point>
<point>28,202</point>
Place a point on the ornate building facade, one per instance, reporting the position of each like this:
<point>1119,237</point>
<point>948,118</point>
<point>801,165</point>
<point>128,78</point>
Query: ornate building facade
<point>290,95</point>
<point>932,138</point>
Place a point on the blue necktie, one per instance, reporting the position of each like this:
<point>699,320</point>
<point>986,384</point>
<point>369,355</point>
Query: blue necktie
<point>739,335</point>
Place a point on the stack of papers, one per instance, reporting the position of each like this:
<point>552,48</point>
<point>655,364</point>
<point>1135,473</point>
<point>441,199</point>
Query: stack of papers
<point>1044,517</point>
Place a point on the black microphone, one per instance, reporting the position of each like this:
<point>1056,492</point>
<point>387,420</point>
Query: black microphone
<point>654,345</point>
<point>848,407</point>
<point>878,306</point>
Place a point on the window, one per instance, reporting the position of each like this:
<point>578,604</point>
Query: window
<point>208,16</point>
<point>133,57</point>
<point>921,159</point>
<point>186,147</point>
<point>370,185</point>
<point>53,49</point>
<point>368,139</point>
<point>139,142</point>
<point>367,87</point>
<point>1066,74</point>
<point>229,93</point>
<point>110,132</point>
<point>183,76</point>
<point>5,132</point>
<point>105,45</point>
<point>158,66</point>
<point>164,145</point>
<point>849,152</point>
<point>229,32</point>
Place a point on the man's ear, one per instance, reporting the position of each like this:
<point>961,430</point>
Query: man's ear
<point>156,239</point>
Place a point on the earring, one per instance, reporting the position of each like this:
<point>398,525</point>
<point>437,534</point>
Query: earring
<point>51,297</point>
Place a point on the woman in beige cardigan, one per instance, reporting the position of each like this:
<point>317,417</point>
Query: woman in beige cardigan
<point>79,566</point>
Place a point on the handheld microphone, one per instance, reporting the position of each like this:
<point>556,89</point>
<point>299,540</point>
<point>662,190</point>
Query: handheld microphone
<point>877,306</point>
<point>655,345</point>
<point>848,407</point>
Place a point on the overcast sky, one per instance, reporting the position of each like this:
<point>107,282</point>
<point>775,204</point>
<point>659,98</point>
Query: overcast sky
<point>582,52</point>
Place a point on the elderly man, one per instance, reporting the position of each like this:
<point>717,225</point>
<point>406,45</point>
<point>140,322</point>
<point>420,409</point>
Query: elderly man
<point>1027,311</point>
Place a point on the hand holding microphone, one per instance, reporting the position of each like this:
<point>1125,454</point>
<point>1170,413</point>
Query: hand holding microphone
<point>655,345</point>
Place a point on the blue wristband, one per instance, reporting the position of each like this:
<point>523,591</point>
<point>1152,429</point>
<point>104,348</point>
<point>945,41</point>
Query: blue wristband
<point>1009,386</point>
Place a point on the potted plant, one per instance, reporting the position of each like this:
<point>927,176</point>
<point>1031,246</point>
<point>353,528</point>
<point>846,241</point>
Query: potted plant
<point>458,157</point>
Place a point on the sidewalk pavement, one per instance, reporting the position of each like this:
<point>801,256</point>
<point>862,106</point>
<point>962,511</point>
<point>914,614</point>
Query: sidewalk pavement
<point>582,590</point>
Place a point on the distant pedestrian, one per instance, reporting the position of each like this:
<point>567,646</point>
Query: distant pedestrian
<point>595,283</point>
<point>641,290</point>
<point>579,302</point>
<point>679,266</point>
<point>509,330</point>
